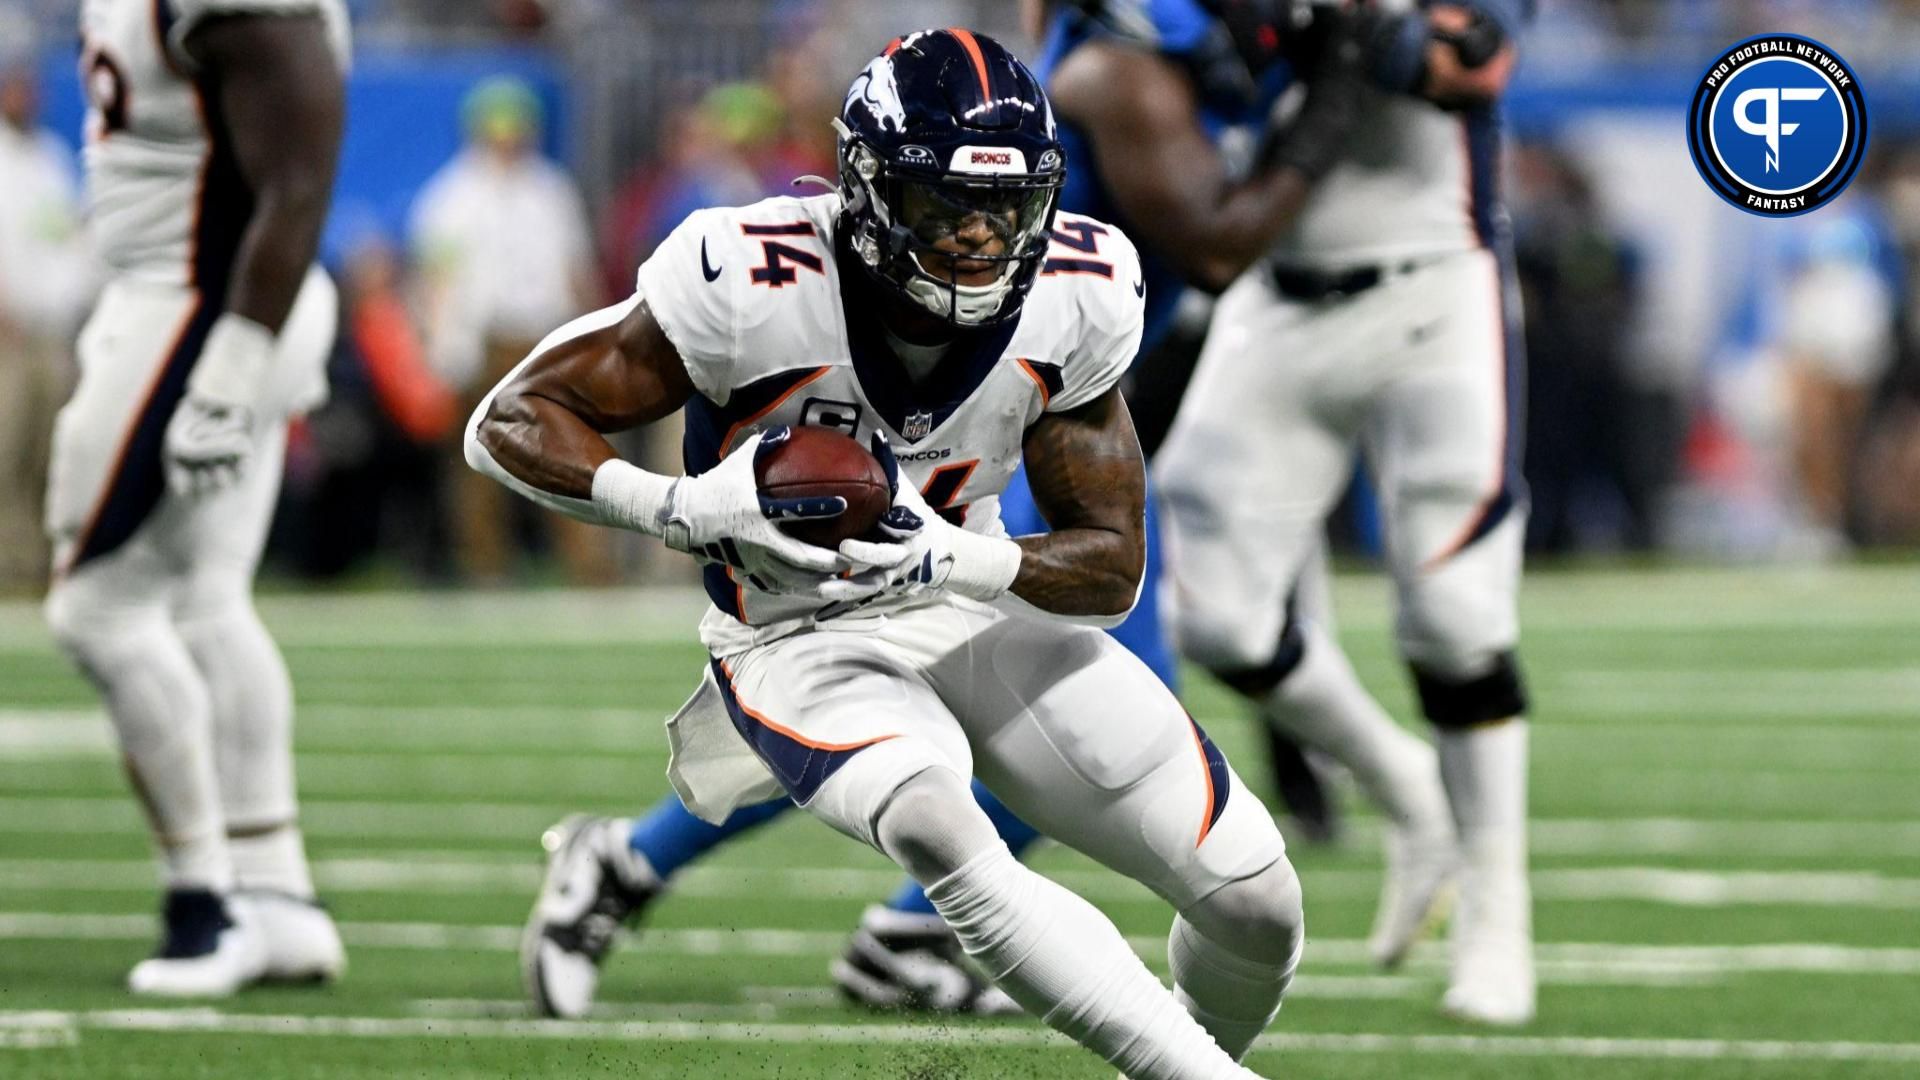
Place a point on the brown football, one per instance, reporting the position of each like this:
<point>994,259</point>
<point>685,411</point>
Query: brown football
<point>821,461</point>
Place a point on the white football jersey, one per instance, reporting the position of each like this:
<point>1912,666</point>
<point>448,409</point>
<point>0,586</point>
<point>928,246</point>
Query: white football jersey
<point>166,200</point>
<point>1414,180</point>
<point>752,298</point>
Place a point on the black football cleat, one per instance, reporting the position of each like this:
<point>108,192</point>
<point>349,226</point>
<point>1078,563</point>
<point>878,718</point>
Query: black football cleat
<point>583,903</point>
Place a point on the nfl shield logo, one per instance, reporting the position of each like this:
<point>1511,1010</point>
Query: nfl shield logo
<point>919,426</point>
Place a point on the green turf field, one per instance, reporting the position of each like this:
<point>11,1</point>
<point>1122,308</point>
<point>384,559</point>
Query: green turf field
<point>1726,857</point>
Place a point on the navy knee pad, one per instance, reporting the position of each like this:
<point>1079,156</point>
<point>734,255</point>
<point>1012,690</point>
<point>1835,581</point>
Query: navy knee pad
<point>1455,703</point>
<point>1257,682</point>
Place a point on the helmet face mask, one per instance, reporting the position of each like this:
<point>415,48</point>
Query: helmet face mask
<point>944,207</point>
<point>967,242</point>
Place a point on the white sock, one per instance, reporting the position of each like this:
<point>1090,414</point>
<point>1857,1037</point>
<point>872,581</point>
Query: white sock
<point>252,710</point>
<point>158,704</point>
<point>1063,961</point>
<point>275,861</point>
<point>1233,997</point>
<point>1322,703</point>
<point>1485,770</point>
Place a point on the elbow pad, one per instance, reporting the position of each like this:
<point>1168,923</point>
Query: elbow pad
<point>1317,137</point>
<point>1479,43</point>
<point>1396,48</point>
<point>1505,17</point>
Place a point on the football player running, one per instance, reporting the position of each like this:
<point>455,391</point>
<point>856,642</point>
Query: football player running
<point>1147,93</point>
<point>212,137</point>
<point>1193,71</point>
<point>1386,319</point>
<point>923,305</point>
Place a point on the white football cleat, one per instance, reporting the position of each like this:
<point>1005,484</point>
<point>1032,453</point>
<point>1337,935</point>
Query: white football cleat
<point>1492,981</point>
<point>1421,860</point>
<point>583,902</point>
<point>912,961</point>
<point>209,947</point>
<point>1492,984</point>
<point>303,944</point>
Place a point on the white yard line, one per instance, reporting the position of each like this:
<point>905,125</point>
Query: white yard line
<point>1687,596</point>
<point>775,1002</point>
<point>1752,703</point>
<point>35,734</point>
<point>793,996</point>
<point>412,619</point>
<point>347,818</point>
<point>400,733</point>
<point>1686,836</point>
<point>1570,962</point>
<point>1764,598</point>
<point>38,1031</point>
<point>522,821</point>
<point>519,1008</point>
<point>213,1021</point>
<point>1790,680</point>
<point>353,746</point>
<point>416,874</point>
<point>1689,888</point>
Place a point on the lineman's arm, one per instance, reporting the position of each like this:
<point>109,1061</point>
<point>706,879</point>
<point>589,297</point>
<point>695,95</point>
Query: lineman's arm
<point>1140,112</point>
<point>278,96</point>
<point>1458,55</point>
<point>1451,82</point>
<point>282,95</point>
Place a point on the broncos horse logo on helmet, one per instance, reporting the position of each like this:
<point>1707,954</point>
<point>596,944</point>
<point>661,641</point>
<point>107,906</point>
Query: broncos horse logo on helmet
<point>950,172</point>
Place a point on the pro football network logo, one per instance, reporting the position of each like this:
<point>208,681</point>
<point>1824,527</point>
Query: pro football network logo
<point>1778,126</point>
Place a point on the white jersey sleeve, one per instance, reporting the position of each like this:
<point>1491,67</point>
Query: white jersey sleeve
<point>188,14</point>
<point>1111,311</point>
<point>697,311</point>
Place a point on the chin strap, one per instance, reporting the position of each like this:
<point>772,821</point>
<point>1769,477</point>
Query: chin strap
<point>925,288</point>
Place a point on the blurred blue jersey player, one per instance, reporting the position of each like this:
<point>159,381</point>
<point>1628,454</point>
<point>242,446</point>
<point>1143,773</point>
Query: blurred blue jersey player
<point>1203,70</point>
<point>1231,90</point>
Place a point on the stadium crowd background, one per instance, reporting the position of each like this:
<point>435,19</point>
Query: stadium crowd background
<point>1703,383</point>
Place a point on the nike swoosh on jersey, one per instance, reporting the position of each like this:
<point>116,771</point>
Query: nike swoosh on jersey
<point>711,271</point>
<point>1140,287</point>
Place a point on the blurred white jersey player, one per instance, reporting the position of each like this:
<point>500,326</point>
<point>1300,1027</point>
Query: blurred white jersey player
<point>213,131</point>
<point>1385,320</point>
<point>926,309</point>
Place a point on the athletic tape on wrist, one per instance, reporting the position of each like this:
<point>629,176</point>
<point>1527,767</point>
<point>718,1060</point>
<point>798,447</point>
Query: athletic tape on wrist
<point>631,497</point>
<point>983,566</point>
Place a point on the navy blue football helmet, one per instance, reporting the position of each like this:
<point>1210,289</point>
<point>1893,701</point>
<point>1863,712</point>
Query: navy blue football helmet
<point>943,131</point>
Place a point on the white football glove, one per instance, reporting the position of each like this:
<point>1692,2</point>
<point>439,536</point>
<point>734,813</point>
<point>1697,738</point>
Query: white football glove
<point>210,437</point>
<point>926,551</point>
<point>721,516</point>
